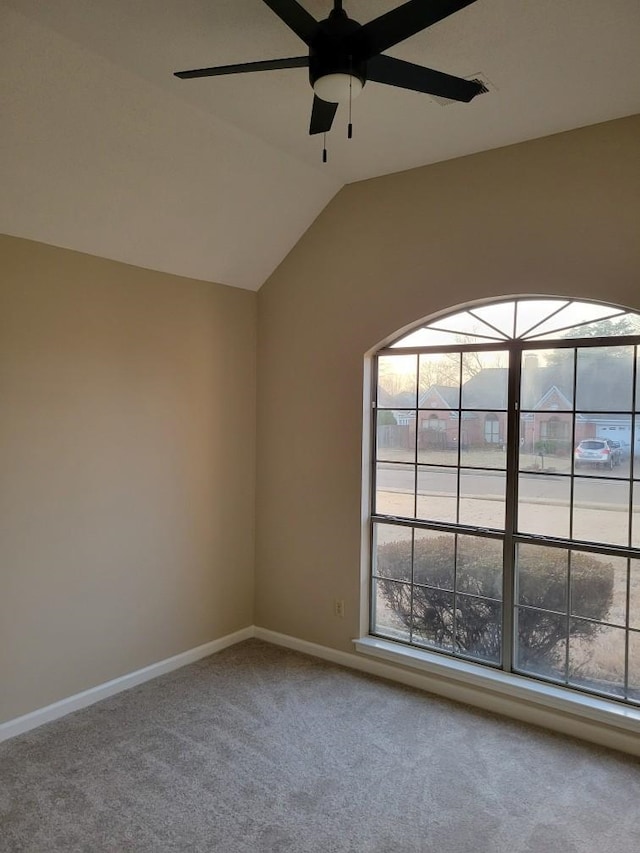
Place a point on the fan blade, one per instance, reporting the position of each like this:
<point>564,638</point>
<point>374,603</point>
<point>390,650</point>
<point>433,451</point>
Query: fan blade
<point>322,116</point>
<point>406,75</point>
<point>295,17</point>
<point>241,68</point>
<point>400,23</point>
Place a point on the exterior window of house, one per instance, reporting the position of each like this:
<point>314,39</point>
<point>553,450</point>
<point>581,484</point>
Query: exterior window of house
<point>491,429</point>
<point>506,492</point>
<point>554,435</point>
<point>554,428</point>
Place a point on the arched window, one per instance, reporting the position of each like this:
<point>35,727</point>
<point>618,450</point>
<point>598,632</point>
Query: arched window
<point>514,540</point>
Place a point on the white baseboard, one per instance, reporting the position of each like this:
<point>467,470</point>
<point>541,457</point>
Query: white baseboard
<point>617,734</point>
<point>574,724</point>
<point>318,651</point>
<point>23,724</point>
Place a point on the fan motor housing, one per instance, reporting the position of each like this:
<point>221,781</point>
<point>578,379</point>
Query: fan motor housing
<point>330,52</point>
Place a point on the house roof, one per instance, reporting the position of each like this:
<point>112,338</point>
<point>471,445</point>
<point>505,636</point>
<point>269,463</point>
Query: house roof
<point>603,385</point>
<point>486,390</point>
<point>449,395</point>
<point>106,152</point>
<point>606,384</point>
<point>401,400</point>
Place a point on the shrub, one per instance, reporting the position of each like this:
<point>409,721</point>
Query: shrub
<point>386,418</point>
<point>553,447</point>
<point>427,607</point>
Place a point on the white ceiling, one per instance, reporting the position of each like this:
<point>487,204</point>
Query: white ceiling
<point>104,151</point>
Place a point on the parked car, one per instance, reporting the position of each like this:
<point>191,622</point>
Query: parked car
<point>598,452</point>
<point>622,447</point>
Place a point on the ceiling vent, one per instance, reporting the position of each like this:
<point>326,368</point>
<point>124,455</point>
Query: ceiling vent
<point>480,78</point>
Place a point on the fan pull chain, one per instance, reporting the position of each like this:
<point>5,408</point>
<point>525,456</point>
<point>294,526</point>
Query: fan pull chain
<point>324,149</point>
<point>350,127</point>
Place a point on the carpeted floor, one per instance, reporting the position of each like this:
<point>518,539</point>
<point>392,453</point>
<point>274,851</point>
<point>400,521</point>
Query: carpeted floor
<point>259,749</point>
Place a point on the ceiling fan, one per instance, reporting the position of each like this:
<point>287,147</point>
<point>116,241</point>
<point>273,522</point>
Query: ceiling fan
<point>344,54</point>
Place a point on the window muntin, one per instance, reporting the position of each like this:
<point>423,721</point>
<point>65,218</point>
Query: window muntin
<point>494,414</point>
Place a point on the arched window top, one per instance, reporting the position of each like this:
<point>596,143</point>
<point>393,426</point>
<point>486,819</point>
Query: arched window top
<point>527,319</point>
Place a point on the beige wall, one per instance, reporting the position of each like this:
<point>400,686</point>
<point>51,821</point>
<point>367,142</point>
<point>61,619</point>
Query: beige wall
<point>127,462</point>
<point>127,427</point>
<point>558,215</point>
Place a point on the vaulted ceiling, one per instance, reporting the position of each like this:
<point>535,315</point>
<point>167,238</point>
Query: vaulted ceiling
<point>103,150</point>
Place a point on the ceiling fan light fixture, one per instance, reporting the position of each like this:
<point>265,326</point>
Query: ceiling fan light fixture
<point>344,54</point>
<point>338,88</point>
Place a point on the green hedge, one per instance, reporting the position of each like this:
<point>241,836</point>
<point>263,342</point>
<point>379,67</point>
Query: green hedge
<point>542,583</point>
<point>553,447</point>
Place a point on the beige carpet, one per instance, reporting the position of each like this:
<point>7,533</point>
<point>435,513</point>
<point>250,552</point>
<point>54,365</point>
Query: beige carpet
<point>262,749</point>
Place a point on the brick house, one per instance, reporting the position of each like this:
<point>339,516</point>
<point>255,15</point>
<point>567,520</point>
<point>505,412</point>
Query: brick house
<point>604,402</point>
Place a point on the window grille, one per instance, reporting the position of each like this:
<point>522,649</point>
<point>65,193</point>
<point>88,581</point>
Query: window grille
<point>506,491</point>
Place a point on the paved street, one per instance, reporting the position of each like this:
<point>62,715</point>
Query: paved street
<point>600,505</point>
<point>594,485</point>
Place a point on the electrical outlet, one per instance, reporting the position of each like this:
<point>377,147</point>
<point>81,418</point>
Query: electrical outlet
<point>339,607</point>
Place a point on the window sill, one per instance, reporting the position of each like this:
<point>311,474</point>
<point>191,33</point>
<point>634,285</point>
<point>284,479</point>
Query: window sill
<point>483,680</point>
